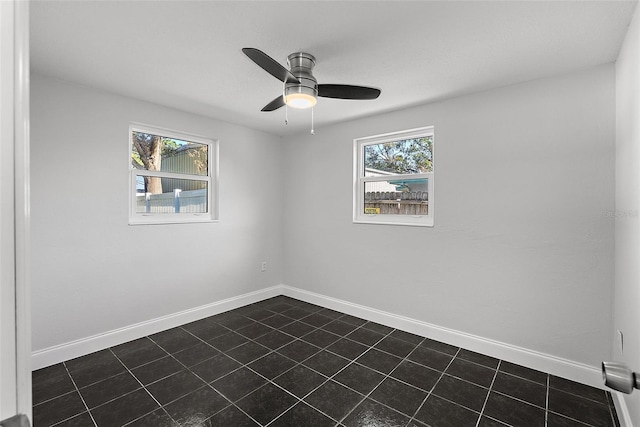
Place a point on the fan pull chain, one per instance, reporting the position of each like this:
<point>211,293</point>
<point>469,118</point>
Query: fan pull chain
<point>286,111</point>
<point>313,132</point>
<point>286,114</point>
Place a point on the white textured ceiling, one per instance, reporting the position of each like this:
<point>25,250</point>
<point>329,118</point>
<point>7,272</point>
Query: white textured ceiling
<point>187,54</point>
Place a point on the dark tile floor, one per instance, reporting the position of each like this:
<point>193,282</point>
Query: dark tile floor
<point>284,362</point>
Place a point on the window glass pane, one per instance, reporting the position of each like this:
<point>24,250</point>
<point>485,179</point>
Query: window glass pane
<point>397,197</point>
<point>404,156</point>
<point>158,153</point>
<point>177,195</point>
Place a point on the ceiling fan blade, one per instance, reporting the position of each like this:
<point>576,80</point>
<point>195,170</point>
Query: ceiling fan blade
<point>270,65</point>
<point>348,92</point>
<point>275,104</point>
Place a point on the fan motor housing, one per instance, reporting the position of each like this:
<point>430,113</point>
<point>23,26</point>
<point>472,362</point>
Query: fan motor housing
<point>301,65</point>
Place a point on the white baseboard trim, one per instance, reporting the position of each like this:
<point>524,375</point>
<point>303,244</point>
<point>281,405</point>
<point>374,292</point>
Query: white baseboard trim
<point>59,353</point>
<point>558,366</point>
<point>622,410</point>
<point>536,360</point>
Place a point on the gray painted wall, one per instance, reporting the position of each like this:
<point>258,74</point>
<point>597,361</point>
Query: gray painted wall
<point>93,273</point>
<point>522,248</point>
<point>627,235</point>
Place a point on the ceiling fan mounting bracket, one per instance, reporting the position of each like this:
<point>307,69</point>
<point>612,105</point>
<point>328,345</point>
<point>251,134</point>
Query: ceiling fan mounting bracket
<point>301,66</point>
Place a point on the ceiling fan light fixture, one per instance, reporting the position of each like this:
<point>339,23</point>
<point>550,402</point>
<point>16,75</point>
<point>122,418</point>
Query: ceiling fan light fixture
<point>300,88</point>
<point>300,97</point>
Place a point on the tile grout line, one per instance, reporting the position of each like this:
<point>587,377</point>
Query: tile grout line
<point>207,384</point>
<point>582,423</point>
<point>517,398</point>
<point>589,424</point>
<point>242,365</point>
<point>56,396</point>
<point>246,365</point>
<point>141,385</point>
<point>259,311</point>
<point>98,382</point>
<point>486,399</point>
<point>328,378</point>
<point>577,394</point>
<point>413,417</point>
<point>126,368</point>
<point>546,405</point>
<point>79,394</point>
<point>324,348</point>
<point>385,376</point>
<point>274,313</point>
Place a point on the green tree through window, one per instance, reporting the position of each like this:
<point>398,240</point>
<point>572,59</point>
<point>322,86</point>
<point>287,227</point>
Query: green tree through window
<point>147,153</point>
<point>404,156</point>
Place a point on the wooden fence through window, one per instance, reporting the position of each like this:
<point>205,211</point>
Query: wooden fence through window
<point>396,202</point>
<point>193,201</point>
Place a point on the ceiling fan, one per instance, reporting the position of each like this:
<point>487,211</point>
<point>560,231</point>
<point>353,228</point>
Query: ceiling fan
<point>301,89</point>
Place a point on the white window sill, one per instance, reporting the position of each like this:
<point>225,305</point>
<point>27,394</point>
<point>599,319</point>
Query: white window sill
<point>156,220</point>
<point>423,223</point>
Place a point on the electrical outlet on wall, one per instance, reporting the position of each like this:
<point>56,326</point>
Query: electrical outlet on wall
<point>263,266</point>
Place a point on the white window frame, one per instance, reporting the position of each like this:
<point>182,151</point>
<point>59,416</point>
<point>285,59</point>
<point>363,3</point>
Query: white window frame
<point>359,180</point>
<point>137,218</point>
